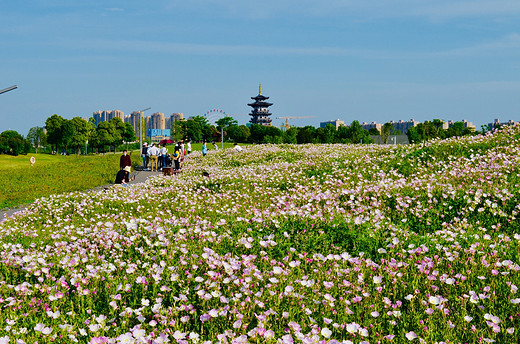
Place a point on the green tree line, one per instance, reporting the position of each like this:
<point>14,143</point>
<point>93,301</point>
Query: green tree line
<point>73,135</point>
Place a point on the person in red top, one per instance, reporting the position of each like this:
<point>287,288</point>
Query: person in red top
<point>125,160</point>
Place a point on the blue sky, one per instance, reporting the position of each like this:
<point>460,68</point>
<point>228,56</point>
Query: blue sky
<point>370,60</point>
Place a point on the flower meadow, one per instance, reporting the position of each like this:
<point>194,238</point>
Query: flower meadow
<point>280,244</point>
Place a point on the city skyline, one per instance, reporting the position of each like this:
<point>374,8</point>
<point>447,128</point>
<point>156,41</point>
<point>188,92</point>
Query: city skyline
<point>366,61</point>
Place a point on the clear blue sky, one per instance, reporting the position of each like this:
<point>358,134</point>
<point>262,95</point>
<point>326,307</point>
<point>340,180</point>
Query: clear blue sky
<point>370,60</point>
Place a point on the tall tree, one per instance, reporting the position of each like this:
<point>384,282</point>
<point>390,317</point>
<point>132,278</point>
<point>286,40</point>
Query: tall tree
<point>306,134</point>
<point>81,134</point>
<point>290,135</point>
<point>180,130</point>
<point>128,134</point>
<point>67,133</point>
<point>104,135</point>
<point>12,142</point>
<point>37,137</point>
<point>119,127</point>
<point>194,130</point>
<point>257,133</point>
<point>54,125</point>
<point>205,127</point>
<point>225,122</point>
<point>358,134</point>
<point>385,132</point>
<point>238,133</point>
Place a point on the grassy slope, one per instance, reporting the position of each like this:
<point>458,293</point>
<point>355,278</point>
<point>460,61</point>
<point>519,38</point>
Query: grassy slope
<point>20,183</point>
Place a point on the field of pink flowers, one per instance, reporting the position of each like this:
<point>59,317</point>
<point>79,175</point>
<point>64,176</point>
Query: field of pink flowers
<point>281,244</point>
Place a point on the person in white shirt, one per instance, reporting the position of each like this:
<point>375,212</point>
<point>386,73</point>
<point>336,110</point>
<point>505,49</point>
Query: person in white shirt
<point>188,146</point>
<point>154,153</point>
<point>237,148</point>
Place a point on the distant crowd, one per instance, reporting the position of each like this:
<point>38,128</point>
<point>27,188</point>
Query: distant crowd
<point>157,157</point>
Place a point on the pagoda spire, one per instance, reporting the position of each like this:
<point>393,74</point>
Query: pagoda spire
<point>260,112</point>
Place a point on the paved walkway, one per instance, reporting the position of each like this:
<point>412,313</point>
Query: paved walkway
<point>140,177</point>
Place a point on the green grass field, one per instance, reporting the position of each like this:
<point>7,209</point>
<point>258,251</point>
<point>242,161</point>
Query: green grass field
<point>52,174</point>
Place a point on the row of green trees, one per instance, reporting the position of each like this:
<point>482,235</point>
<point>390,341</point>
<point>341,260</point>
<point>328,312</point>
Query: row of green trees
<point>433,129</point>
<point>198,129</point>
<point>77,133</point>
<point>63,135</point>
<point>11,142</point>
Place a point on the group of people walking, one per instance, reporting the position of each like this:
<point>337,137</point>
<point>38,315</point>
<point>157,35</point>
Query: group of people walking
<point>159,157</point>
<point>156,158</point>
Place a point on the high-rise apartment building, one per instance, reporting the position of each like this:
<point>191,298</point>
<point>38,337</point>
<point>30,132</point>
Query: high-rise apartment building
<point>496,123</point>
<point>173,118</point>
<point>157,121</point>
<point>450,124</point>
<point>337,123</point>
<point>403,126</point>
<point>102,116</point>
<point>368,126</point>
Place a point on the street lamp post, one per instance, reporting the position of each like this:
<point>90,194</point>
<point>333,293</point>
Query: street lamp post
<point>141,129</point>
<point>222,137</point>
<point>8,89</point>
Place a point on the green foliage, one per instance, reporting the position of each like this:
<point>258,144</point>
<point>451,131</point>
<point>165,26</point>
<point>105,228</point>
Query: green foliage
<point>54,127</point>
<point>37,137</point>
<point>81,132</point>
<point>238,133</point>
<point>103,135</point>
<point>226,122</point>
<point>13,143</point>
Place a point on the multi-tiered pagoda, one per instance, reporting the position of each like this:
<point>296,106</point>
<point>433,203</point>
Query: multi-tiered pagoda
<point>260,114</point>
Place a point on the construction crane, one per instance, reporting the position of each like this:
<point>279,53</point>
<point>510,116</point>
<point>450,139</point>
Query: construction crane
<point>291,117</point>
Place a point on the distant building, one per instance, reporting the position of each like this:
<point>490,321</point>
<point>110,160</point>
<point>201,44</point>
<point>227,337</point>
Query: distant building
<point>102,116</point>
<point>337,123</point>
<point>373,125</point>
<point>174,117</point>
<point>157,121</point>
<point>403,126</point>
<point>496,123</point>
<point>133,119</point>
<point>260,113</point>
<point>450,123</point>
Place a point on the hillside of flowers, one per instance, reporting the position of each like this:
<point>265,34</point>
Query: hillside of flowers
<point>280,244</point>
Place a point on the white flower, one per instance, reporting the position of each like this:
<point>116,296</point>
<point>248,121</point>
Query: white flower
<point>411,335</point>
<point>352,328</point>
<point>377,279</point>
<point>277,270</point>
<point>375,314</point>
<point>179,335</point>
<point>434,300</point>
<point>325,332</point>
<point>468,318</point>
